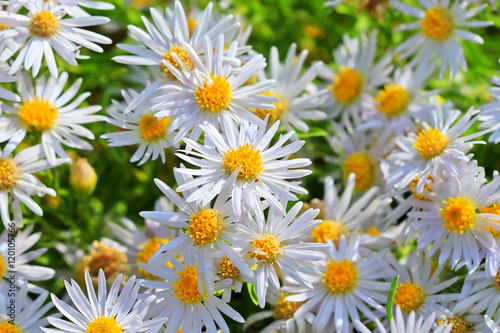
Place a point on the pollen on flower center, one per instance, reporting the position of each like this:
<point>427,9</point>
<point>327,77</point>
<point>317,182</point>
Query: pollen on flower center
<point>4,26</point>
<point>245,156</point>
<point>409,296</point>
<point>104,325</point>
<point>430,143</point>
<point>39,114</point>
<point>7,327</point>
<point>437,23</point>
<point>269,245</point>
<point>153,129</point>
<point>493,209</point>
<point>44,24</point>
<point>216,97</point>
<point>8,174</point>
<point>362,165</point>
<point>340,276</point>
<point>186,288</point>
<point>458,214</point>
<point>459,324</point>
<point>328,229</point>
<point>392,100</point>
<point>284,309</point>
<point>205,227</point>
<point>148,248</point>
<point>413,187</point>
<point>227,270</point>
<point>274,114</point>
<point>347,85</point>
<point>181,54</point>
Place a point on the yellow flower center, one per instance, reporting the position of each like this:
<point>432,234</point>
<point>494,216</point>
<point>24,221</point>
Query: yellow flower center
<point>44,24</point>
<point>328,229</point>
<point>216,97</point>
<point>186,288</point>
<point>392,100</point>
<point>430,143</point>
<point>497,279</point>
<point>148,248</point>
<point>245,156</point>
<point>373,231</point>
<point>183,56</point>
<point>191,21</point>
<point>3,266</point>
<point>269,245</point>
<point>227,270</point>
<point>153,129</point>
<point>347,85</point>
<point>7,327</point>
<point>205,227</point>
<point>409,296</point>
<point>413,187</point>
<point>284,309</point>
<point>8,174</point>
<point>459,324</point>
<point>39,114</point>
<point>493,209</point>
<point>340,276</point>
<point>276,113</point>
<point>437,24</point>
<point>4,26</point>
<point>362,165</point>
<point>458,214</point>
<point>104,325</point>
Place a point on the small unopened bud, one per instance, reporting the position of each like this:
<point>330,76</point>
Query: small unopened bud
<point>83,177</point>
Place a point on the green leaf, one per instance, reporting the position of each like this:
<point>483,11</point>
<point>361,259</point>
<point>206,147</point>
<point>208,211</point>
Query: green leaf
<point>252,291</point>
<point>390,300</point>
<point>313,133</point>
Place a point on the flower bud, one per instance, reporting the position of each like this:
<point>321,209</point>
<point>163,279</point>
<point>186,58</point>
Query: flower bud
<point>83,177</point>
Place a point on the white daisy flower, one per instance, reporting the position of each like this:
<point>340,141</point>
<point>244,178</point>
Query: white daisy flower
<point>113,312</point>
<point>460,319</point>
<point>490,112</point>
<point>17,183</point>
<point>43,30</point>
<point>23,240</point>
<point>264,170</point>
<point>140,127</point>
<point>413,325</point>
<point>47,110</point>
<point>275,243</point>
<point>350,283</point>
<point>438,145</point>
<point>29,312</point>
<point>229,277</point>
<point>439,25</point>
<point>492,256</point>
<point>296,102</point>
<point>451,220</point>
<point>73,7</point>
<point>212,91</point>
<point>356,76</point>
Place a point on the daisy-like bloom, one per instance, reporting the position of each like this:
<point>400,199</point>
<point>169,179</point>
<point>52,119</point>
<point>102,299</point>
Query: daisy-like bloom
<point>44,30</point>
<point>73,7</point>
<point>295,102</point>
<point>462,319</point>
<point>490,115</point>
<point>29,312</point>
<point>49,111</point>
<point>140,127</point>
<point>115,312</point>
<point>229,277</point>
<point>17,183</point>
<point>439,24</point>
<point>263,169</point>
<point>420,285</point>
<point>438,145</point>
<point>399,103</point>
<point>350,283</point>
<point>361,154</point>
<point>212,91</point>
<point>181,301</point>
<point>282,314</point>
<point>206,229</point>
<point>356,75</point>
<point>398,324</point>
<point>275,243</point>
<point>452,221</point>
<point>24,240</point>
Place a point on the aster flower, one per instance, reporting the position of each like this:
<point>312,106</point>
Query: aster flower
<point>45,109</point>
<point>43,30</point>
<point>439,25</point>
<point>113,312</point>
<point>461,319</point>
<point>140,127</point>
<point>264,170</point>
<point>350,283</point>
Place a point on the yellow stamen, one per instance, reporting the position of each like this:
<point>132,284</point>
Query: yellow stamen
<point>183,56</point>
<point>347,85</point>
<point>328,229</point>
<point>362,165</point>
<point>392,100</point>
<point>4,26</point>
<point>409,297</point>
<point>44,24</point>
<point>458,214</point>
<point>186,288</point>
<point>3,266</point>
<point>413,187</point>
<point>7,327</point>
<point>493,209</point>
<point>8,174</point>
<point>227,270</point>
<point>274,114</point>
<point>437,24</point>
<point>104,325</point>
<point>269,245</point>
<point>459,324</point>
<point>205,227</point>
<point>245,156</point>
<point>340,276</point>
<point>216,97</point>
<point>153,129</point>
<point>39,114</point>
<point>148,248</point>
<point>284,309</point>
<point>430,143</point>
